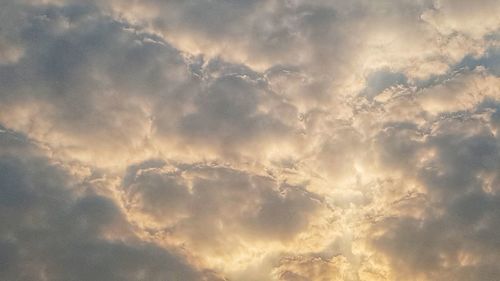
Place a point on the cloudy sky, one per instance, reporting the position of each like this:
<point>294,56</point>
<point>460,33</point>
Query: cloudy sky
<point>249,140</point>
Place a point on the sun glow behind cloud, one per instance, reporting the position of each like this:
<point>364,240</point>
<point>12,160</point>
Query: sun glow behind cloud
<point>249,140</point>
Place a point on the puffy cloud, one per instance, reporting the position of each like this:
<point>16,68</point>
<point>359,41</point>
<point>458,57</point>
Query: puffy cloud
<point>452,236</point>
<point>55,228</point>
<point>117,104</point>
<point>249,140</point>
<point>218,211</point>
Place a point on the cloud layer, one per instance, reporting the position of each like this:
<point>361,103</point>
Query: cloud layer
<point>249,140</point>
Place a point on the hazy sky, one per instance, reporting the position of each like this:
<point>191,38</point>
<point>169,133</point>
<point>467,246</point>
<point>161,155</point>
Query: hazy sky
<point>249,140</point>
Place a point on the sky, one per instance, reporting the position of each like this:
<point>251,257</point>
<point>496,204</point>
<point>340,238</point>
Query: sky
<point>249,140</point>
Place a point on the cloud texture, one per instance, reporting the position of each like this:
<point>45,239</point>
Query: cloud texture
<point>238,140</point>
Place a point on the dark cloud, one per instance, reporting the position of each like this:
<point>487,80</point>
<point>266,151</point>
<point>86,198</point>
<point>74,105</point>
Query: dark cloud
<point>381,80</point>
<point>207,203</point>
<point>53,231</point>
<point>288,140</point>
<point>227,114</point>
<point>88,96</point>
<point>455,237</point>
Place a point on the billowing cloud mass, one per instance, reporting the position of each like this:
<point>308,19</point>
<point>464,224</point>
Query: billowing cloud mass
<point>276,140</point>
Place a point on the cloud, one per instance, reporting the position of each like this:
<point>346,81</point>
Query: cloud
<point>249,140</point>
<point>55,229</point>
<point>219,210</point>
<point>452,239</point>
<point>146,89</point>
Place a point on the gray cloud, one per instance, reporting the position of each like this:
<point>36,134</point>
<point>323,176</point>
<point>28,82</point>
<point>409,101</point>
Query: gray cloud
<point>86,97</point>
<point>455,238</point>
<point>52,231</point>
<point>288,140</point>
<point>206,203</point>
